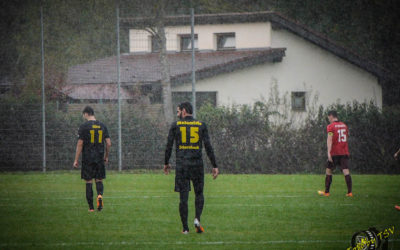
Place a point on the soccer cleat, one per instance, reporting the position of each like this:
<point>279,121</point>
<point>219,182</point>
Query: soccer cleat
<point>397,207</point>
<point>349,194</point>
<point>185,232</point>
<point>199,228</point>
<point>99,202</point>
<point>91,210</point>
<point>322,193</point>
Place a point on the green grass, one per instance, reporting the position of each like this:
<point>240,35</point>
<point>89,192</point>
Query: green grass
<point>49,211</point>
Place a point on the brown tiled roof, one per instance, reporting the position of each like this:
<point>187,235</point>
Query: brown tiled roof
<point>278,20</point>
<point>217,18</point>
<point>146,67</point>
<point>95,91</point>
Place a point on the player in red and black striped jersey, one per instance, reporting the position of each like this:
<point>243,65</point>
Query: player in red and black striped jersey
<point>93,137</point>
<point>338,152</point>
<point>189,136</point>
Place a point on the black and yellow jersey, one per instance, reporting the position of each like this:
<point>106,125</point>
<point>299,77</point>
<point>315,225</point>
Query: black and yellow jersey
<point>189,135</point>
<point>93,133</point>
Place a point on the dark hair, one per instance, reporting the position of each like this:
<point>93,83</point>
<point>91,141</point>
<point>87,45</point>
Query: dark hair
<point>333,113</point>
<point>88,110</point>
<point>187,106</point>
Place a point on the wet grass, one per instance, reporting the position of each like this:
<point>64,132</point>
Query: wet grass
<point>49,211</point>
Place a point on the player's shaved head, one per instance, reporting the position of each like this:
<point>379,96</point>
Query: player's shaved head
<point>88,110</point>
<point>333,113</point>
<point>187,106</point>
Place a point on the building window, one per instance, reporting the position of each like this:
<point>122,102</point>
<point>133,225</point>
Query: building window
<point>155,44</point>
<point>186,42</point>
<point>226,41</point>
<point>299,101</point>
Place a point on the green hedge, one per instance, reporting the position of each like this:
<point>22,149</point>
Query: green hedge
<point>246,139</point>
<point>21,136</point>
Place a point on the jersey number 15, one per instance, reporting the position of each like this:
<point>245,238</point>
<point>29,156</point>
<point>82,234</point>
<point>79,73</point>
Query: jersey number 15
<point>194,134</point>
<point>342,135</point>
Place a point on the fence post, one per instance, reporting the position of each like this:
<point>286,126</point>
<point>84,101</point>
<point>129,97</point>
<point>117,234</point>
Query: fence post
<point>193,63</point>
<point>43,93</point>
<point>119,94</point>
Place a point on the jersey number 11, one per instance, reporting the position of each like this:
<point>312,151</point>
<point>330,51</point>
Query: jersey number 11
<point>100,135</point>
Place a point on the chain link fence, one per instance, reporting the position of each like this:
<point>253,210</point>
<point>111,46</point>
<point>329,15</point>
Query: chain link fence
<point>81,68</point>
<point>84,62</point>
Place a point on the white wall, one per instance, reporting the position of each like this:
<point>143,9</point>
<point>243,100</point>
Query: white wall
<point>334,78</point>
<point>239,87</point>
<point>305,67</point>
<point>248,35</point>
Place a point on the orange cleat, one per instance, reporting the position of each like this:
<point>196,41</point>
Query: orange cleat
<point>349,194</point>
<point>397,207</point>
<point>322,193</point>
<point>199,229</point>
<point>197,225</point>
<point>99,202</point>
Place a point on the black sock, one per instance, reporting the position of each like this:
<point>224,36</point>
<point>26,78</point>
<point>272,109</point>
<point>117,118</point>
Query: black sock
<point>328,181</point>
<point>348,182</point>
<point>183,209</point>
<point>199,203</point>
<point>99,187</point>
<point>89,195</point>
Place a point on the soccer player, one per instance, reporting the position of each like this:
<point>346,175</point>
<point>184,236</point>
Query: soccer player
<point>189,135</point>
<point>91,137</point>
<point>396,156</point>
<point>338,152</point>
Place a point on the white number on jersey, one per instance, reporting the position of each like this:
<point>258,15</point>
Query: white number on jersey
<point>342,135</point>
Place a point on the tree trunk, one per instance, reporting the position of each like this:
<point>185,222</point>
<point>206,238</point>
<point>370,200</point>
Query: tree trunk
<point>165,74</point>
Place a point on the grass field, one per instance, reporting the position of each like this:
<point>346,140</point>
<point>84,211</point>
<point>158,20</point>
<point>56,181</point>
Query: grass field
<point>49,211</point>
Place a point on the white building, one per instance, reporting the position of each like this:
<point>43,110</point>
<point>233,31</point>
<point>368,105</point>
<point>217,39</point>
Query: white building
<point>238,58</point>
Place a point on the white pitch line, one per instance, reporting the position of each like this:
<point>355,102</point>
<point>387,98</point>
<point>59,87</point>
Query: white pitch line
<point>117,191</point>
<point>130,243</point>
<point>238,205</point>
<point>124,243</point>
<point>109,191</point>
<point>160,196</point>
<point>259,196</point>
<point>208,205</point>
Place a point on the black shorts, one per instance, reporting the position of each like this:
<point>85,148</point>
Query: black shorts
<point>339,160</point>
<point>93,170</point>
<point>185,174</point>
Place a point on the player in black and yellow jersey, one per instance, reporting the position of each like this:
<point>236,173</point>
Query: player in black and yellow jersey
<point>92,136</point>
<point>189,135</point>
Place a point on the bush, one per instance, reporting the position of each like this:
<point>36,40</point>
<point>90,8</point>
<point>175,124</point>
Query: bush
<point>21,136</point>
<point>246,141</point>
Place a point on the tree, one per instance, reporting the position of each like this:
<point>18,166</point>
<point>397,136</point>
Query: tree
<point>165,72</point>
<point>153,20</point>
